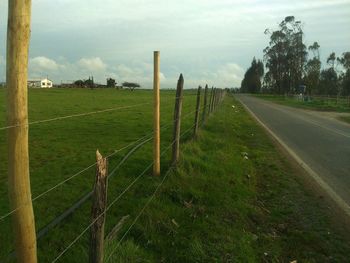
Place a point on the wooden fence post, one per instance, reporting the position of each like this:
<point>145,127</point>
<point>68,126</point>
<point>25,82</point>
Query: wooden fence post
<point>214,99</point>
<point>205,103</point>
<point>18,36</point>
<point>211,99</point>
<point>177,120</point>
<point>98,215</point>
<point>156,117</point>
<point>196,119</point>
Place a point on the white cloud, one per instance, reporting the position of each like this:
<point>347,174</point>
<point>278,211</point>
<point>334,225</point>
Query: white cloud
<point>43,63</point>
<point>92,64</point>
<point>205,40</point>
<point>227,75</point>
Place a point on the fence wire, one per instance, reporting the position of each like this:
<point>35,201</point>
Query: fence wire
<point>166,126</point>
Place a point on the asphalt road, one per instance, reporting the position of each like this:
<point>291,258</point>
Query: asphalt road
<point>323,143</point>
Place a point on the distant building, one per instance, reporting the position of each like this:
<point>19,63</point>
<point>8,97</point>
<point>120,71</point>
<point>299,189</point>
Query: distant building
<point>40,83</point>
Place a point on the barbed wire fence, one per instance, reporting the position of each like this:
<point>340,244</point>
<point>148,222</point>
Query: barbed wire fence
<point>209,106</point>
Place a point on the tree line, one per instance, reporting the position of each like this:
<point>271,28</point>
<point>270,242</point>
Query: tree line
<point>292,67</point>
<point>110,83</point>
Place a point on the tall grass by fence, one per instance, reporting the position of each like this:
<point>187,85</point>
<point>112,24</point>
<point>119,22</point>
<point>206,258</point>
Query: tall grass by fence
<point>214,100</point>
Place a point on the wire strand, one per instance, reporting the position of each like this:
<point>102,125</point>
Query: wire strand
<point>90,166</point>
<point>79,115</point>
<point>87,168</point>
<point>140,213</point>
<point>68,179</point>
<point>113,202</point>
<point>73,115</point>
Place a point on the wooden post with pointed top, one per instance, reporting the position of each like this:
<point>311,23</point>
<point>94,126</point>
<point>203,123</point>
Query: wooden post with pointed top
<point>156,116</point>
<point>177,120</point>
<point>205,110</point>
<point>98,215</point>
<point>196,119</point>
<point>18,36</point>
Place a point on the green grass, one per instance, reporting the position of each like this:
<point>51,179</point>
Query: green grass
<point>345,118</point>
<point>61,148</point>
<point>231,209</point>
<point>216,207</point>
<point>319,104</point>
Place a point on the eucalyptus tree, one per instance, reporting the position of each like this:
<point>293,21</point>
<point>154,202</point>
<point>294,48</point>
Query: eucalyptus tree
<point>344,61</point>
<point>285,57</point>
<point>251,82</point>
<point>329,77</point>
<point>312,70</point>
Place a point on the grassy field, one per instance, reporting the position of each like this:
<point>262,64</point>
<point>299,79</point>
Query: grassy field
<point>61,148</point>
<point>234,198</point>
<point>320,104</point>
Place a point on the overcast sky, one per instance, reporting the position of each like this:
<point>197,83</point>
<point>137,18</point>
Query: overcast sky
<point>209,41</point>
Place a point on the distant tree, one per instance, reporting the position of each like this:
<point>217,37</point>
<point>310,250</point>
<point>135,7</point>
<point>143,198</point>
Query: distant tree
<point>89,83</point>
<point>285,56</point>
<point>344,61</point>
<point>329,77</point>
<point>331,60</point>
<point>131,85</point>
<point>315,49</point>
<point>251,82</point>
<point>329,82</point>
<point>79,83</point>
<point>111,83</point>
<point>312,70</point>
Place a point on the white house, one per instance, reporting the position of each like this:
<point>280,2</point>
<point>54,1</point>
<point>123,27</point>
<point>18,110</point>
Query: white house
<point>40,83</point>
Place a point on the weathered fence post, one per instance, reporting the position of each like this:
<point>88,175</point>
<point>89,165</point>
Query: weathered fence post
<point>156,117</point>
<point>214,99</point>
<point>211,99</point>
<point>177,120</point>
<point>18,36</point>
<point>205,103</point>
<point>98,216</point>
<point>196,119</point>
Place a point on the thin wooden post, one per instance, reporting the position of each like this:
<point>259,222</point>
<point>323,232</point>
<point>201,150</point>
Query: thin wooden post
<point>98,215</point>
<point>177,120</point>
<point>205,103</point>
<point>156,116</point>
<point>18,37</point>
<point>196,119</point>
<point>211,99</point>
<point>214,99</point>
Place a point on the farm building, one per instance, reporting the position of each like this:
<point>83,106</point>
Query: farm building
<point>40,83</point>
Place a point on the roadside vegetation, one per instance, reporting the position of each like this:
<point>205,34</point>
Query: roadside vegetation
<point>312,103</point>
<point>234,198</point>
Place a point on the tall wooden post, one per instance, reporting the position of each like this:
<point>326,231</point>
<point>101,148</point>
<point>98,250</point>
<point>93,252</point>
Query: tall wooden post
<point>177,120</point>
<point>156,118</point>
<point>205,110</point>
<point>196,119</point>
<point>18,36</point>
<point>98,215</point>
